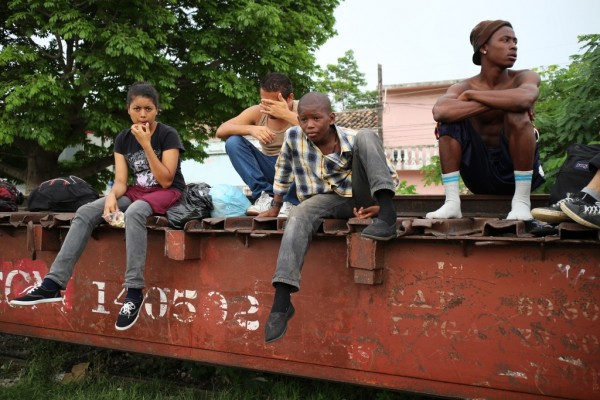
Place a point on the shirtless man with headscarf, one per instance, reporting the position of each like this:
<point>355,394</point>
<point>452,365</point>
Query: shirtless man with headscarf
<point>486,134</point>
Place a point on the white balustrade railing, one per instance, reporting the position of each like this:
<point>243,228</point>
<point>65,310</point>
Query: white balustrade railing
<point>411,157</point>
<point>403,157</point>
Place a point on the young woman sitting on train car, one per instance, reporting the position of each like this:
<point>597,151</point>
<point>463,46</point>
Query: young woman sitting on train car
<point>151,151</point>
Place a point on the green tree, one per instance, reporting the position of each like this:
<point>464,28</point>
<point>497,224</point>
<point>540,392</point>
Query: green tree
<point>568,110</point>
<point>65,67</point>
<point>432,172</point>
<point>405,188</point>
<point>343,82</point>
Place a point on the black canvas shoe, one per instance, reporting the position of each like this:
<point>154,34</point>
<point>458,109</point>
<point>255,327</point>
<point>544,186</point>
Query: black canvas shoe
<point>37,295</point>
<point>554,214</point>
<point>583,213</point>
<point>129,314</point>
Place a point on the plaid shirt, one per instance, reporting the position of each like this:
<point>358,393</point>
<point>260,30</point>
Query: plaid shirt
<point>302,161</point>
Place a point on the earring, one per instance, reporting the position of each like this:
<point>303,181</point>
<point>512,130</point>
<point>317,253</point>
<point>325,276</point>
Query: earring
<point>485,52</point>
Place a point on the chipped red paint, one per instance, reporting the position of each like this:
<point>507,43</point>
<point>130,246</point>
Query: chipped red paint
<point>506,317</point>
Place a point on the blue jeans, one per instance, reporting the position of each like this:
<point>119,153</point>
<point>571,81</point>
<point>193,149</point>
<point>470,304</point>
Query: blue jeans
<point>256,169</point>
<point>86,219</point>
<point>369,174</point>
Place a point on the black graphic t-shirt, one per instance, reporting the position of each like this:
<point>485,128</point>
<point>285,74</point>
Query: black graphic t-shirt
<point>163,138</point>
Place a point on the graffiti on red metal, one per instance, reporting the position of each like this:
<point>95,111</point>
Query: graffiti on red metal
<point>26,275</point>
<point>550,324</point>
<point>548,319</point>
<point>184,304</point>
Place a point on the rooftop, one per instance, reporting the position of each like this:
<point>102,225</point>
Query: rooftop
<point>357,119</point>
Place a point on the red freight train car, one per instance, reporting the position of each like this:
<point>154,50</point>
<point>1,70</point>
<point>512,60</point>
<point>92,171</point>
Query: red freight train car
<point>474,308</point>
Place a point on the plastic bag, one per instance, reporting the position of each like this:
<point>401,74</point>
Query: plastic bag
<point>228,201</point>
<point>116,219</point>
<point>195,203</point>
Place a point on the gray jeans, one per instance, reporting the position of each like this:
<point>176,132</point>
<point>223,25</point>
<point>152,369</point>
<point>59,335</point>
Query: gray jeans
<point>86,219</point>
<point>369,174</point>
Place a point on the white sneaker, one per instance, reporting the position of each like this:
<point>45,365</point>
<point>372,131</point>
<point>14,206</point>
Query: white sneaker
<point>263,203</point>
<point>285,210</point>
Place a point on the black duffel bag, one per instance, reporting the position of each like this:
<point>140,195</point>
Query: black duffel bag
<point>65,194</point>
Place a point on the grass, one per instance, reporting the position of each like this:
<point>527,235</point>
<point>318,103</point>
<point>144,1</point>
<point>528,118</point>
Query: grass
<point>114,375</point>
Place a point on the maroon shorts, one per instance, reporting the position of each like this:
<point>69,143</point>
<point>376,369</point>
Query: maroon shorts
<point>159,199</point>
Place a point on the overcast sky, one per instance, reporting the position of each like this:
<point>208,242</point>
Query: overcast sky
<point>428,40</point>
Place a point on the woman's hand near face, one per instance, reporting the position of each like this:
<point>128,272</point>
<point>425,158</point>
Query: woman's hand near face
<point>142,133</point>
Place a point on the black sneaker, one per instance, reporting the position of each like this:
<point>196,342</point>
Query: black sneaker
<point>583,213</point>
<point>129,314</point>
<point>553,214</point>
<point>37,295</point>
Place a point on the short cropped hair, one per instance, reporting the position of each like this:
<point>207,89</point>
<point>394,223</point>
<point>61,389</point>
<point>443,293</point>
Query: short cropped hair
<point>315,99</point>
<point>275,82</point>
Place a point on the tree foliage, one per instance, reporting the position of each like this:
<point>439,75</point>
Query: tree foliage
<point>432,175</point>
<point>343,81</point>
<point>65,67</point>
<point>405,188</point>
<point>568,110</point>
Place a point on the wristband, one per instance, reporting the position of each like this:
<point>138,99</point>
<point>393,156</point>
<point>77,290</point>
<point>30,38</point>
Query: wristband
<point>276,203</point>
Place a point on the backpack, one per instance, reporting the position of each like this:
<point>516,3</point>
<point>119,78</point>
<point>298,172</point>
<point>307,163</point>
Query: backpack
<point>575,172</point>
<point>10,196</point>
<point>64,194</point>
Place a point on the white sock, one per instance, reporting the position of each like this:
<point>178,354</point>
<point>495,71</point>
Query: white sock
<point>451,207</point>
<point>521,201</point>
